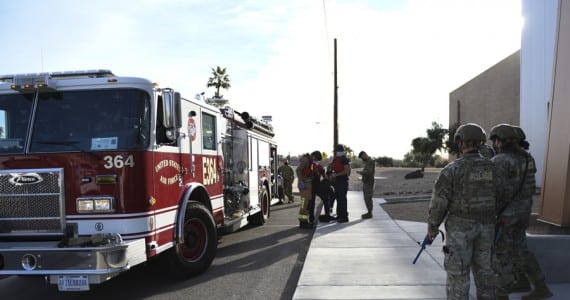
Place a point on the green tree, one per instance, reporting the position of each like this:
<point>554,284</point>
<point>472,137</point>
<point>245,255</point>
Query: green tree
<point>385,161</point>
<point>219,79</point>
<point>437,135</point>
<point>410,160</point>
<point>425,147</point>
<point>450,144</point>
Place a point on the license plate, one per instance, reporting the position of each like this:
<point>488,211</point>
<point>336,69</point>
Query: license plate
<point>73,283</point>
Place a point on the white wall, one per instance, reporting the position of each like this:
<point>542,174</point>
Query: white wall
<point>537,61</point>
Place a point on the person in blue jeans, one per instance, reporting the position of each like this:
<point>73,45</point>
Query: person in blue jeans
<point>340,171</point>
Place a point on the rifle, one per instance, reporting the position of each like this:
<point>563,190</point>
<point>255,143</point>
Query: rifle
<point>427,241</point>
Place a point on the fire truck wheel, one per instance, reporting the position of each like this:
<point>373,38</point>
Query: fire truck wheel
<point>261,217</point>
<point>194,255</point>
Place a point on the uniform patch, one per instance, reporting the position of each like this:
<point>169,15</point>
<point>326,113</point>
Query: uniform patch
<point>481,175</point>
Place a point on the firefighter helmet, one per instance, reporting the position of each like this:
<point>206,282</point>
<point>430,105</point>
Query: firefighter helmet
<point>470,131</point>
<point>503,132</point>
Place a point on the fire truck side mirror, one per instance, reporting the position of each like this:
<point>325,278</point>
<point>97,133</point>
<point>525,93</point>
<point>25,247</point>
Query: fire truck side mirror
<point>171,106</point>
<point>177,110</point>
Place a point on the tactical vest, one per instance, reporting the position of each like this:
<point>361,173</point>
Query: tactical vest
<point>517,198</point>
<point>474,189</point>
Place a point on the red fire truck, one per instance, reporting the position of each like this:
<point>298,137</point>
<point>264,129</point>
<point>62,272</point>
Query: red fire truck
<point>100,173</point>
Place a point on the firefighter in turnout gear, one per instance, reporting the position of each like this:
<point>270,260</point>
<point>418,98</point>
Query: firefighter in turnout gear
<point>464,195</point>
<point>304,183</point>
<point>318,173</point>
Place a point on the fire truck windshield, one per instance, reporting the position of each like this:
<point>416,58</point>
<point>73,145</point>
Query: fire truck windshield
<point>70,121</point>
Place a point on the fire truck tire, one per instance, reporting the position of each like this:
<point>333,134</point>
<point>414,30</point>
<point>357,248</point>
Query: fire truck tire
<point>261,217</point>
<point>194,256</point>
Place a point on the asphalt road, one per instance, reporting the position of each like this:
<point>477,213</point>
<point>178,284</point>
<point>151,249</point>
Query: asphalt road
<point>262,262</point>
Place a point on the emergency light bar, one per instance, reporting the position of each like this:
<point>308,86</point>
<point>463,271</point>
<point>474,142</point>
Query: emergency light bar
<point>30,83</point>
<point>46,81</point>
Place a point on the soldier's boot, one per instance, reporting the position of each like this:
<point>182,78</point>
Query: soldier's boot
<point>522,285</point>
<point>502,297</point>
<point>540,291</point>
<point>367,215</point>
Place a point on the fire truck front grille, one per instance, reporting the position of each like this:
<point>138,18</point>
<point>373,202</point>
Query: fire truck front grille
<point>31,202</point>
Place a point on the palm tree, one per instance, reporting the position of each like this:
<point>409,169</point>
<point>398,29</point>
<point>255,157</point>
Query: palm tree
<point>219,80</point>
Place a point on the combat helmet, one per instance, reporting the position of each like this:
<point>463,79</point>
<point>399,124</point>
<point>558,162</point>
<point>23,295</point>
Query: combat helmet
<point>504,132</point>
<point>520,133</point>
<point>470,131</point>
<point>521,138</point>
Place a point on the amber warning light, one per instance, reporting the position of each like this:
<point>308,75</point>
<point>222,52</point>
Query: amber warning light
<point>30,83</point>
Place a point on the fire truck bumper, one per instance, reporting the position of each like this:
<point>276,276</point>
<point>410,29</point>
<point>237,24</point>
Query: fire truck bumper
<point>72,268</point>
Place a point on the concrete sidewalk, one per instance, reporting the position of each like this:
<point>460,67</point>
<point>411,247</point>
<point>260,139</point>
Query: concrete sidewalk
<point>372,259</point>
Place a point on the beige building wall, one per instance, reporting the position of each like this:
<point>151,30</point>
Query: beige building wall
<point>490,98</point>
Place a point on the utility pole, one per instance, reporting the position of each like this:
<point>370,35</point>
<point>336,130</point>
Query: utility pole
<point>335,117</point>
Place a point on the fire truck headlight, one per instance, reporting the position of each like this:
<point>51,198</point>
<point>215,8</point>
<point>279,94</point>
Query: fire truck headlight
<point>104,204</point>
<point>84,205</point>
<point>95,204</point>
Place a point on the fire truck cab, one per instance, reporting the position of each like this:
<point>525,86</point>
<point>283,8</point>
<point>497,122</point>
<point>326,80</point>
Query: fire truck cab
<point>100,173</point>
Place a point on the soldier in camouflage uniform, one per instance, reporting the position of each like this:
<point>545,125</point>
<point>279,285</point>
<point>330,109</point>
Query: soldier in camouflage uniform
<point>514,262</point>
<point>367,174</point>
<point>288,176</point>
<point>465,193</point>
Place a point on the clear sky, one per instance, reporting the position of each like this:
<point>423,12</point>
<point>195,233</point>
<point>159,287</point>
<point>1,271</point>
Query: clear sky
<point>398,60</point>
